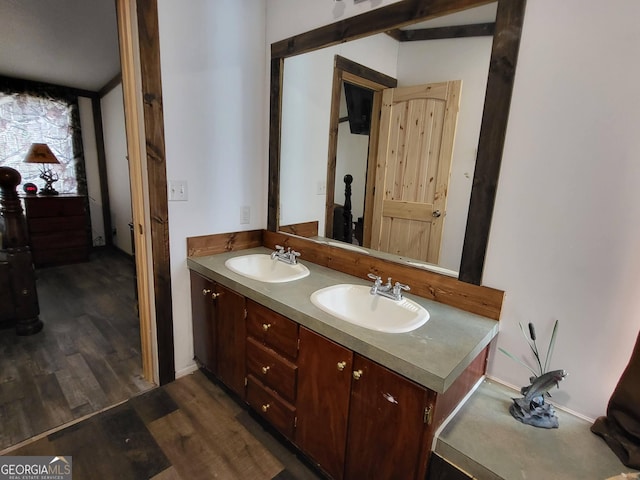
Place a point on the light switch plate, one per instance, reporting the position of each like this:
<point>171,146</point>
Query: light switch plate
<point>178,191</point>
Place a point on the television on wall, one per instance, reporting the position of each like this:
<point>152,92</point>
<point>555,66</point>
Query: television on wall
<point>359,104</point>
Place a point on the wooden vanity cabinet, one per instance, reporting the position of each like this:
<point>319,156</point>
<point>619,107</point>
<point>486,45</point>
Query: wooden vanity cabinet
<point>204,337</point>
<point>324,388</point>
<point>219,331</point>
<point>230,314</point>
<point>440,469</point>
<point>353,417</point>
<point>272,371</point>
<point>389,424</point>
<point>357,419</point>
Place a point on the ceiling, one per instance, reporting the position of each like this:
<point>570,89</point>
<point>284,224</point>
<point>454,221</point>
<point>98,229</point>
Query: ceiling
<point>73,43</point>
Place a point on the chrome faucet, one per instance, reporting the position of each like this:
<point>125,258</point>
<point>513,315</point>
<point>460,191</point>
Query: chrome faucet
<point>394,292</point>
<point>289,256</point>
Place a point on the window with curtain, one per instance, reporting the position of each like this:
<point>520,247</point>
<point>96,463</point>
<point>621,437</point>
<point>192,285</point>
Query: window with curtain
<point>38,116</point>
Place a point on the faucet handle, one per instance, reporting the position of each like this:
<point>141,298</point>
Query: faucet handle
<point>294,253</point>
<point>280,248</point>
<point>375,277</point>
<point>401,286</point>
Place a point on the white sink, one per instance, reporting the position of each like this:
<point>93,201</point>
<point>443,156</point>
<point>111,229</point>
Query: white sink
<point>262,267</point>
<point>354,304</point>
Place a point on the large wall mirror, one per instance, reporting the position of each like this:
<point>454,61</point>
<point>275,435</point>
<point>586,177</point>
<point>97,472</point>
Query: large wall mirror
<point>327,92</point>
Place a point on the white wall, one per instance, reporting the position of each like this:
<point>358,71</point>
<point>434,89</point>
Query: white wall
<point>115,147</point>
<point>215,91</point>
<point>90,151</point>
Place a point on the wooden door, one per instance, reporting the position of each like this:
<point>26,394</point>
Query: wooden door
<point>388,425</point>
<point>324,381</point>
<point>417,131</point>
<point>230,315</point>
<point>204,345</point>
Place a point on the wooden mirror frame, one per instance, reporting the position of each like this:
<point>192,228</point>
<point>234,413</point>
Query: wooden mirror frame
<point>502,68</point>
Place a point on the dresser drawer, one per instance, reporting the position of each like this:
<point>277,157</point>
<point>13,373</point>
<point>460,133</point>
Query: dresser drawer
<point>55,240</point>
<point>57,224</point>
<point>272,329</point>
<point>54,206</point>
<point>272,369</point>
<point>275,410</point>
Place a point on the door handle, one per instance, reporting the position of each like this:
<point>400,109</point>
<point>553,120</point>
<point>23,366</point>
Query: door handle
<point>436,213</point>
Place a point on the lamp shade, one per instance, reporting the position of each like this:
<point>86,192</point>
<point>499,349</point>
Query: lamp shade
<point>40,153</point>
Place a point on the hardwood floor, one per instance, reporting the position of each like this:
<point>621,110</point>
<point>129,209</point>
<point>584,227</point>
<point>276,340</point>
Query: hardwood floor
<point>189,429</point>
<point>85,359</point>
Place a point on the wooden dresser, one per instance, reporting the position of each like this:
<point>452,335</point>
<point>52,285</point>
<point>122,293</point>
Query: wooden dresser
<point>58,229</point>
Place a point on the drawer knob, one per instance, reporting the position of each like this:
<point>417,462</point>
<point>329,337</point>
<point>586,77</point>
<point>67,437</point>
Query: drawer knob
<point>265,369</point>
<point>206,291</point>
<point>357,374</point>
<point>266,326</point>
<point>265,407</point>
<point>341,366</point>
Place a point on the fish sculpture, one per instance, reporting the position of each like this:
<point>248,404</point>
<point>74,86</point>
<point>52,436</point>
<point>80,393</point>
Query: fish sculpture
<point>542,384</point>
<point>531,409</point>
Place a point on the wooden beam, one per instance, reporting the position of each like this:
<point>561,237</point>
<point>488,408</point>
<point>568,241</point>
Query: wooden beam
<point>502,69</point>
<point>149,44</point>
<point>102,171</point>
<point>440,33</point>
<point>110,85</point>
<point>374,21</point>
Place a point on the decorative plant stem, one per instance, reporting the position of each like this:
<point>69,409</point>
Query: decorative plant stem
<point>552,343</point>
<point>531,341</point>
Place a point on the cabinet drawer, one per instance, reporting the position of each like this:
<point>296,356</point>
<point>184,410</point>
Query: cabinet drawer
<point>272,329</point>
<point>275,410</point>
<point>273,370</point>
<point>54,240</point>
<point>57,224</point>
<point>54,206</point>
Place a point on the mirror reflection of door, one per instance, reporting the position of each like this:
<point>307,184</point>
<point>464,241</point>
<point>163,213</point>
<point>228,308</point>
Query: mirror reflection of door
<point>417,133</point>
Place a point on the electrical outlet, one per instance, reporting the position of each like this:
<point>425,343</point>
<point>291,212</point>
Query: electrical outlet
<point>178,190</point>
<point>245,215</point>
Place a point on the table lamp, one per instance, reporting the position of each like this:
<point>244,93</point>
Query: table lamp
<point>41,153</point>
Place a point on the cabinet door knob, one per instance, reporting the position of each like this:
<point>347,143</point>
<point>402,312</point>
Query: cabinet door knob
<point>265,370</point>
<point>341,366</point>
<point>266,326</point>
<point>265,407</point>
<point>357,374</point>
<point>214,296</point>
<point>206,291</point>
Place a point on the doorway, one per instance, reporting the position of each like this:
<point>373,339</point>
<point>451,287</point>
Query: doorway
<point>363,84</point>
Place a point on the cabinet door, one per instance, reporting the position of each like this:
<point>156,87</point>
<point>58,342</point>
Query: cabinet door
<point>230,314</point>
<point>324,381</point>
<point>204,345</point>
<point>387,424</point>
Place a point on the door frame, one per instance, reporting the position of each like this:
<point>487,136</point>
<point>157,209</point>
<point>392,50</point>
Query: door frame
<point>144,123</point>
<point>354,73</point>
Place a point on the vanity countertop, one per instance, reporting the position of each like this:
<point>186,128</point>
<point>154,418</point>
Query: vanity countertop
<point>433,355</point>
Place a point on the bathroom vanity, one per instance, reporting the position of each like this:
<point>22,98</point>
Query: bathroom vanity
<point>359,403</point>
